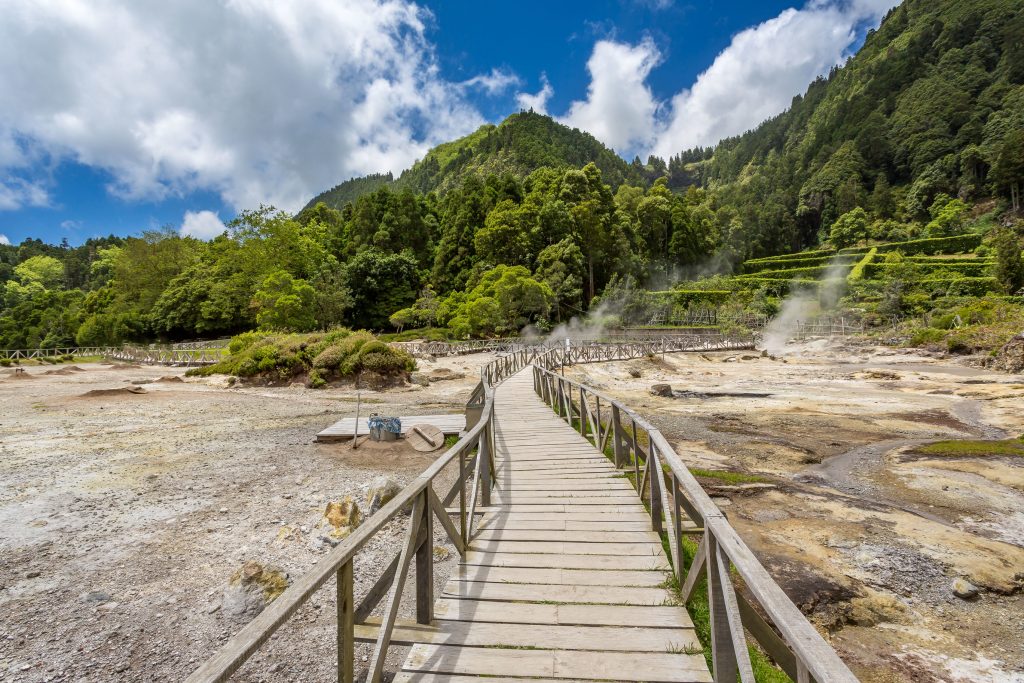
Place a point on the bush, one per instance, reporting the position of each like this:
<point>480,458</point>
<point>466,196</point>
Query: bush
<point>338,353</point>
<point>857,272</point>
<point>6,362</point>
<point>926,336</point>
<point>316,381</point>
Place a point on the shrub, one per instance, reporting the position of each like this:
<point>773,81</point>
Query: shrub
<point>926,336</point>
<point>316,381</point>
<point>857,272</point>
<point>6,362</point>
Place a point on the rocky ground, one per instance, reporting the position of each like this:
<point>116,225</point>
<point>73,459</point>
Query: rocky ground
<point>124,515</point>
<point>867,537</point>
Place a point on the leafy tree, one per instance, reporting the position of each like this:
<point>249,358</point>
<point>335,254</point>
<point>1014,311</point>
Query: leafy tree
<point>284,303</point>
<point>1008,169</point>
<point>560,267</point>
<point>849,228</point>
<point>948,216</point>
<point>380,283</point>
<point>1009,264</point>
<point>505,236</point>
<point>45,271</point>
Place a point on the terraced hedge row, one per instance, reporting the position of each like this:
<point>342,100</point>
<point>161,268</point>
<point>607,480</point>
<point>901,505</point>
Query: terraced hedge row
<point>958,244</point>
<point>934,270</point>
<point>695,297</point>
<point>788,273</point>
<point>790,257</point>
<point>761,266</point>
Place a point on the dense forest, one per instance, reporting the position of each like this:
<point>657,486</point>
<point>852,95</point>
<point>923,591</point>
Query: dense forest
<point>918,135</point>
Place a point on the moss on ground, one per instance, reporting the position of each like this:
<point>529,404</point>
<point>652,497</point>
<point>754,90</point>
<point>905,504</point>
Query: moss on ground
<point>727,477</point>
<point>973,448</point>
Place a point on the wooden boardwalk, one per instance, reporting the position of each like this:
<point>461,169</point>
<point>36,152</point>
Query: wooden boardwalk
<point>563,579</point>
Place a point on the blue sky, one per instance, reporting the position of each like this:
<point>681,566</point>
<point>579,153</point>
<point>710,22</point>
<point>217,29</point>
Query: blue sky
<point>180,114</point>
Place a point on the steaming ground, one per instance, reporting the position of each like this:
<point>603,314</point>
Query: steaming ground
<point>864,536</point>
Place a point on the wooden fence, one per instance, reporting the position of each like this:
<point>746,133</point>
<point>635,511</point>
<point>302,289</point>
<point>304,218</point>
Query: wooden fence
<point>664,482</point>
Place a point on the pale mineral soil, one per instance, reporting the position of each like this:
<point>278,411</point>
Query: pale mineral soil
<point>122,516</point>
<point>864,537</point>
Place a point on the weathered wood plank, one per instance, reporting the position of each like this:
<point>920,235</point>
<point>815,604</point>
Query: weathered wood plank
<point>641,548</point>
<point>598,538</point>
<point>642,562</point>
<point>535,592</point>
<point>570,615</point>
<point>573,577</point>
<point>617,666</point>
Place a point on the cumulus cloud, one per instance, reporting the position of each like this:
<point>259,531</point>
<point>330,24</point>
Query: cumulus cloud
<point>263,101</point>
<point>4,240</point>
<point>203,225</point>
<point>494,83</point>
<point>753,79</point>
<point>620,107</point>
<point>537,101</point>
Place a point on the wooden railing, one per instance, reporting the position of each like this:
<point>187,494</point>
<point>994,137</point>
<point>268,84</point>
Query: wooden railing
<point>27,354</point>
<point>474,457</point>
<point>159,356</point>
<point>664,482</point>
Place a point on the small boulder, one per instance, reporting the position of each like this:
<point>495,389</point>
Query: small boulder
<point>420,379</point>
<point>343,517</point>
<point>664,390</point>
<point>964,589</point>
<point>381,491</point>
<point>250,589</point>
<point>633,372</point>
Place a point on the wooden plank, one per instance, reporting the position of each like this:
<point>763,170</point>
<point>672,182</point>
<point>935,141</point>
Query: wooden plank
<point>562,594</point>
<point>515,486</point>
<point>566,548</point>
<point>573,577</point>
<point>663,616</point>
<point>559,664</point>
<point>587,638</point>
<point>566,561</point>
<point>590,514</point>
<point>595,537</point>
<point>614,500</point>
<point>565,525</point>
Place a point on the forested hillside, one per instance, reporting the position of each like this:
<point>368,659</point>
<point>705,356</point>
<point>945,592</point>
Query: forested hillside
<point>932,104</point>
<point>519,145</point>
<point>919,136</point>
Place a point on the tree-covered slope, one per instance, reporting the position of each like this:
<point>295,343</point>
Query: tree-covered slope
<point>932,103</point>
<point>518,145</point>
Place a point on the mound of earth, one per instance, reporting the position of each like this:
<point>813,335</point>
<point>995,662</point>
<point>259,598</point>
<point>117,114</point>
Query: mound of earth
<point>1011,357</point>
<point>19,374</point>
<point>61,371</point>
<point>170,379</point>
<point>114,392</point>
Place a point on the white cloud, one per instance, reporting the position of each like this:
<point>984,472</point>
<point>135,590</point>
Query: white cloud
<point>16,193</point>
<point>537,101</point>
<point>753,79</point>
<point>260,100</point>
<point>494,83</point>
<point>3,239</point>
<point>620,107</point>
<point>204,225</point>
<point>757,76</point>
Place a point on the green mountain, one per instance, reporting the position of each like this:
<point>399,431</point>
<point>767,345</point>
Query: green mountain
<point>518,145</point>
<point>932,104</point>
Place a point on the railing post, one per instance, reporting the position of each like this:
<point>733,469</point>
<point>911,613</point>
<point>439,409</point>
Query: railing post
<point>677,527</point>
<point>723,656</point>
<point>346,626</point>
<point>617,436</point>
<point>425,566</point>
<point>484,454</point>
<point>583,412</point>
<point>463,529</point>
<point>654,474</point>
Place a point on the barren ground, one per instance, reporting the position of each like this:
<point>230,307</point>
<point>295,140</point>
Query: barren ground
<point>122,516</point>
<point>864,537</point>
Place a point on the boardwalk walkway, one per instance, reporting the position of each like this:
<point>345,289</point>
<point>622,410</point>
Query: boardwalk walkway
<point>563,579</point>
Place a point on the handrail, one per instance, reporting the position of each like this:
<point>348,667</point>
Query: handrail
<point>426,505</point>
<point>800,651</point>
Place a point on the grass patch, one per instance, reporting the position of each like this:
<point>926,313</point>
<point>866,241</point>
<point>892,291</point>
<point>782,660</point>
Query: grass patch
<point>727,477</point>
<point>973,447</point>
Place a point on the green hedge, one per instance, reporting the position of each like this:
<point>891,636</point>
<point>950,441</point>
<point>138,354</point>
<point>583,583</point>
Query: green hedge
<point>783,287</point>
<point>698,297</point>
<point>858,270</point>
<point>794,256</point>
<point>964,286</point>
<point>949,259</point>
<point>788,273</point>
<point>934,270</point>
<point>762,266</point>
<point>958,244</point>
